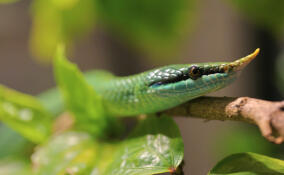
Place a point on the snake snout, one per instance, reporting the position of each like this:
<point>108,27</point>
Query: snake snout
<point>242,62</point>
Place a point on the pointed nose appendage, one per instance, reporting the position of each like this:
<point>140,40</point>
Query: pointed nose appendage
<point>242,62</point>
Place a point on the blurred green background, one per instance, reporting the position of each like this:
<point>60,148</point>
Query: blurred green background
<point>129,36</point>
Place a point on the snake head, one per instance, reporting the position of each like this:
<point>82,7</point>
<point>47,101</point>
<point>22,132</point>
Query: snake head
<point>192,80</point>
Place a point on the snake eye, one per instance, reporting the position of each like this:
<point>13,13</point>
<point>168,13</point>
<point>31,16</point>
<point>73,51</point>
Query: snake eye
<point>194,72</point>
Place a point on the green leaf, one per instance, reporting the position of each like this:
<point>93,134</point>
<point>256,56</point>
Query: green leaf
<point>56,21</point>
<point>24,114</point>
<point>52,101</point>
<point>266,13</point>
<point>154,147</point>
<point>12,144</point>
<point>13,167</point>
<point>71,152</point>
<point>248,164</point>
<point>79,97</point>
<point>155,26</point>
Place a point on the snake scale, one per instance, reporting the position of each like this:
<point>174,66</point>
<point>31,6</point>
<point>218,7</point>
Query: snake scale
<point>165,87</point>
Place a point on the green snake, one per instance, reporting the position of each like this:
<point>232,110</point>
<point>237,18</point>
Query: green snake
<point>165,87</point>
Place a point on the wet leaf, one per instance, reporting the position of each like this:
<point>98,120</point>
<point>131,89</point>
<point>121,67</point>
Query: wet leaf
<point>154,147</point>
<point>56,21</point>
<point>13,167</point>
<point>24,114</point>
<point>248,164</point>
<point>68,153</point>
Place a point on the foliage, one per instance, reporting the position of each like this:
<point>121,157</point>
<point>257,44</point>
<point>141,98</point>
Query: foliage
<point>147,151</point>
<point>142,23</point>
<point>248,164</point>
<point>70,152</point>
<point>154,146</point>
<point>56,21</point>
<point>24,114</point>
<point>52,101</point>
<point>12,167</point>
<point>156,26</point>
<point>265,13</point>
<point>13,145</point>
<point>78,96</point>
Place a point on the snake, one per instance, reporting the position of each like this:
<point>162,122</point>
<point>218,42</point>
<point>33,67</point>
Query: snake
<point>164,87</point>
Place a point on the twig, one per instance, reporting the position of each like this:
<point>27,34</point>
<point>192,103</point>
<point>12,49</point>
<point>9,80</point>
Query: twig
<point>267,115</point>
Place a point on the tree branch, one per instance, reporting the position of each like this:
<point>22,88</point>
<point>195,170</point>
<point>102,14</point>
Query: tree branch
<point>267,115</point>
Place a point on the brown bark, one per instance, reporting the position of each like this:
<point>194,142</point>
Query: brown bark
<point>267,115</point>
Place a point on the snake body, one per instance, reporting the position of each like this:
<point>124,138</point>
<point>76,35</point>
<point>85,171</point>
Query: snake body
<point>165,87</point>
